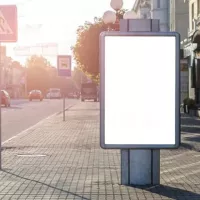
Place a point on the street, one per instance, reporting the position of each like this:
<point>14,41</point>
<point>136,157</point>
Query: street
<point>23,114</point>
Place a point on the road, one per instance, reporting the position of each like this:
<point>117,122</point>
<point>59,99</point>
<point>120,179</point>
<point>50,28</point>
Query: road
<point>23,114</point>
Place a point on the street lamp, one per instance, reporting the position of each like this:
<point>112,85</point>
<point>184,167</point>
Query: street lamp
<point>116,4</point>
<point>130,15</point>
<point>110,17</point>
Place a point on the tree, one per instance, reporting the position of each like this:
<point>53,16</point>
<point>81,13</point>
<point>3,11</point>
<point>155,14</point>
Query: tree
<point>78,77</point>
<point>38,76</point>
<point>86,49</point>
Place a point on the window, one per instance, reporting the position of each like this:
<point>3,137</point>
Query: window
<point>192,12</point>
<point>158,3</point>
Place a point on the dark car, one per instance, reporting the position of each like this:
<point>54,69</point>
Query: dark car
<point>5,98</point>
<point>35,94</point>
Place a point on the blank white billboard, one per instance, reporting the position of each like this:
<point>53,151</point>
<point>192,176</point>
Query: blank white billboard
<point>140,90</point>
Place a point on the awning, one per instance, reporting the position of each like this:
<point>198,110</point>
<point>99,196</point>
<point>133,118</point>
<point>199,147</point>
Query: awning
<point>196,37</point>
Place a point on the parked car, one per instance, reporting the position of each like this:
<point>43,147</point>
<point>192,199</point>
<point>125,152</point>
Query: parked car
<point>54,93</point>
<point>5,98</point>
<point>89,91</point>
<point>70,95</point>
<point>73,95</point>
<point>35,94</point>
<point>48,95</point>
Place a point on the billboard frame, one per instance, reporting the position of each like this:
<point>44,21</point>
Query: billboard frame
<point>102,91</point>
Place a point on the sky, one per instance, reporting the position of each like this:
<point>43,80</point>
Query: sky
<point>58,20</point>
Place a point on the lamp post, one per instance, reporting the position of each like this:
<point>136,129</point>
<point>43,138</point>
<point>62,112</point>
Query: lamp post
<point>111,17</point>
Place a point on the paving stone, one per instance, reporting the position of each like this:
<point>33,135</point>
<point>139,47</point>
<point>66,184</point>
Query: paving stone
<point>75,167</point>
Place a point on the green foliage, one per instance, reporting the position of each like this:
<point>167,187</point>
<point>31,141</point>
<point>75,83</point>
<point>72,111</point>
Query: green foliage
<point>42,76</point>
<point>190,103</point>
<point>86,49</point>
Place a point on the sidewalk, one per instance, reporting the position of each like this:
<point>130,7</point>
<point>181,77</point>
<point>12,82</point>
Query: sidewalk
<point>63,160</point>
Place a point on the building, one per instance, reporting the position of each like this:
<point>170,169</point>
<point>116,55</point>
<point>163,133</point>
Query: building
<point>142,8</point>
<point>192,49</point>
<point>160,9</point>
<point>179,17</point>
<point>15,80</point>
<point>173,16</point>
<point>179,22</point>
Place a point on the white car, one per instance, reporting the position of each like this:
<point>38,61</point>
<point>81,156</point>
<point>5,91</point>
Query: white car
<point>54,94</point>
<point>48,95</point>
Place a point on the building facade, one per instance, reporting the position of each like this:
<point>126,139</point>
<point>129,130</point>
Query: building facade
<point>179,22</point>
<point>192,49</point>
<point>160,9</point>
<point>173,16</point>
<point>13,77</point>
<point>142,8</point>
<point>179,17</point>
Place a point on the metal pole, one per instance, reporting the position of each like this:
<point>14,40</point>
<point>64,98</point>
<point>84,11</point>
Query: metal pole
<point>0,111</point>
<point>140,167</point>
<point>64,107</point>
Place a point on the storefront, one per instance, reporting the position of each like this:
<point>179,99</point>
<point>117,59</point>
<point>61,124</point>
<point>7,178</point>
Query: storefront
<point>192,54</point>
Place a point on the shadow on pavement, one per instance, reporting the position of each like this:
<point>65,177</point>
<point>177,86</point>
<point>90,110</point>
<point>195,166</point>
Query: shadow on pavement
<point>190,129</point>
<point>189,146</point>
<point>193,139</point>
<point>190,125</point>
<point>82,109</point>
<point>3,148</point>
<point>171,192</point>
<point>14,107</point>
<point>45,184</point>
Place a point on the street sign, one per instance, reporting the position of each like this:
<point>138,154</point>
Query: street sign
<point>140,90</point>
<point>8,23</point>
<point>64,65</point>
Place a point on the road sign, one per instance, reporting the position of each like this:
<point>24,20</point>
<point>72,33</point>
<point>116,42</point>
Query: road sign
<point>64,65</point>
<point>8,23</point>
<point>140,109</point>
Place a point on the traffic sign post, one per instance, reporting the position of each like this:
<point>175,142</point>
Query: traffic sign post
<point>64,69</point>
<point>151,84</point>
<point>8,33</point>
<point>64,65</point>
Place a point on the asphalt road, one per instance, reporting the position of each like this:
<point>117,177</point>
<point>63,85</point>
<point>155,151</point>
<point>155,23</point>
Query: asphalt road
<point>23,114</point>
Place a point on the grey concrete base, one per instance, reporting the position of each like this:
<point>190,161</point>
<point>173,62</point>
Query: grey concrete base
<point>125,179</point>
<point>140,167</point>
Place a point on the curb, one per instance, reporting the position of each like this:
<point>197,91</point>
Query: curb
<point>38,123</point>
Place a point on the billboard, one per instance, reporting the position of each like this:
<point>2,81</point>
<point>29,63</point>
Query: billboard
<point>140,90</point>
